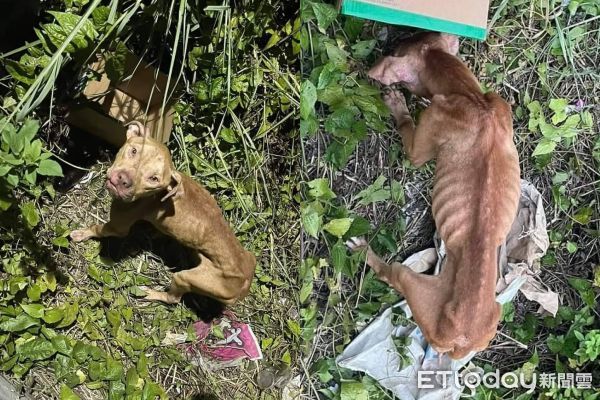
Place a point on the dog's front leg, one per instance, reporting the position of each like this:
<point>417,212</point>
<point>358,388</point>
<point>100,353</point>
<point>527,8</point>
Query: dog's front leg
<point>122,217</point>
<point>420,141</point>
<point>100,231</point>
<point>396,102</point>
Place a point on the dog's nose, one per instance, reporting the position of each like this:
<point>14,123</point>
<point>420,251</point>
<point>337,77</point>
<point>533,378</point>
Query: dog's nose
<point>124,180</point>
<point>121,179</point>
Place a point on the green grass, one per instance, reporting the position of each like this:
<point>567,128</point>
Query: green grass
<point>85,333</point>
<point>540,56</point>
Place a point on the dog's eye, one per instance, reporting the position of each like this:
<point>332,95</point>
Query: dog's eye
<point>154,178</point>
<point>133,151</point>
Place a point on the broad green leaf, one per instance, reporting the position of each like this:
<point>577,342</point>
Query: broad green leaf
<point>62,345</point>
<point>329,75</point>
<point>338,153</point>
<point>30,214</point>
<point>80,352</point>
<point>337,56</point>
<point>312,220</point>
<point>319,189</point>
<point>584,215</point>
<point>153,390</point>
<point>587,119</point>
<point>5,169</point>
<point>309,126</point>
<point>294,327</point>
<point>114,370</point>
<point>374,193</point>
<point>100,15</point>
<point>228,135</point>
<point>338,227</point>
<point>363,49</point>
<point>34,310</point>
<point>352,390</point>
<point>19,72</point>
<point>343,118</point>
<point>308,99</point>
<point>115,62</point>
<point>559,106</point>
<point>34,292</point>
<point>66,393</point>
<point>306,289</point>
<point>397,192</point>
<point>61,241</point>
<point>360,226</point>
<point>70,315</point>
<point>53,315</point>
<point>32,151</point>
<point>545,146</point>
<point>49,168</point>
<point>132,381</point>
<point>339,257</point>
<point>28,130</point>
<point>555,343</point>
<point>325,14</point>
<point>142,366</point>
<point>287,358</point>
<point>19,323</point>
<point>116,390</point>
<point>36,349</point>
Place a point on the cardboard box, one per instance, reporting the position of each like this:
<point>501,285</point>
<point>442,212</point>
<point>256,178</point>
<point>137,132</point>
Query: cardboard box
<point>459,17</point>
<point>108,106</point>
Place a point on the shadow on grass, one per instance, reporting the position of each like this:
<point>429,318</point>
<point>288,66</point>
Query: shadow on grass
<point>143,237</point>
<point>204,396</point>
<point>41,256</point>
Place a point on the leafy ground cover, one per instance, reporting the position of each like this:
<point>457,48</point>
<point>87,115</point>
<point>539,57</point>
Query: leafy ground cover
<point>71,322</point>
<point>543,58</point>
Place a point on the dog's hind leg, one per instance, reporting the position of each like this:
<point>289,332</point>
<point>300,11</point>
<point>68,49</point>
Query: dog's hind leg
<point>205,279</point>
<point>421,291</point>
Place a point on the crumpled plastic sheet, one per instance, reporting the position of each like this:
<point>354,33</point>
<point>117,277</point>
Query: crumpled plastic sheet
<point>373,351</point>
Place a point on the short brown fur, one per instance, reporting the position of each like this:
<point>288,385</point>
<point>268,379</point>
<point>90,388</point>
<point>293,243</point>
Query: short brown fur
<point>145,186</point>
<point>475,194</point>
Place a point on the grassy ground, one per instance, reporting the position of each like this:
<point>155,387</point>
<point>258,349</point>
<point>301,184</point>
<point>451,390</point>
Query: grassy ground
<point>235,134</point>
<point>543,58</point>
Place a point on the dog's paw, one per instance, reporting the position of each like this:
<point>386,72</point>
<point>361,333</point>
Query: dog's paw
<point>157,295</point>
<point>396,102</point>
<point>357,244</point>
<point>80,235</point>
<point>150,294</point>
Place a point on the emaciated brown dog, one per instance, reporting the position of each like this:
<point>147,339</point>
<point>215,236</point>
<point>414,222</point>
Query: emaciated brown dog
<point>475,194</point>
<point>145,186</point>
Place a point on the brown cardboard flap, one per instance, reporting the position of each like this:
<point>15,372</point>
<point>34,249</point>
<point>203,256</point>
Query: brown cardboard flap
<point>144,82</point>
<point>110,105</point>
<point>98,124</point>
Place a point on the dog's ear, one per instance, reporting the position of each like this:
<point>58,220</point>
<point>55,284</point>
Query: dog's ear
<point>175,188</point>
<point>451,42</point>
<point>136,128</point>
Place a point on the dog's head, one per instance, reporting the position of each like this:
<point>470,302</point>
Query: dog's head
<point>142,168</point>
<point>407,61</point>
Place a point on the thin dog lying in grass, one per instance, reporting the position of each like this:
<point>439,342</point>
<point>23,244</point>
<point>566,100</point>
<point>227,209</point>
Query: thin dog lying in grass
<point>145,186</point>
<point>475,194</point>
